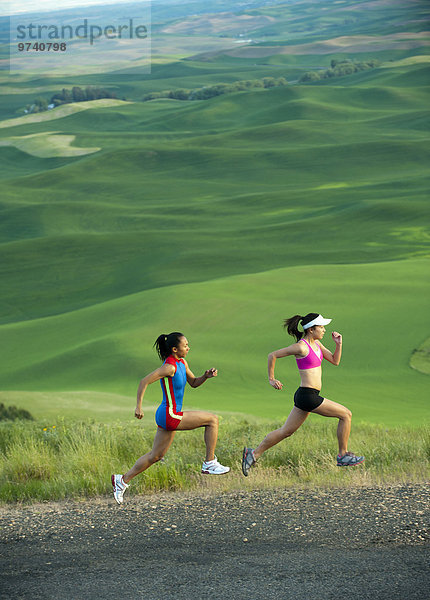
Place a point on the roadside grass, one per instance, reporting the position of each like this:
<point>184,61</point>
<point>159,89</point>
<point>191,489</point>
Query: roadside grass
<point>42,462</point>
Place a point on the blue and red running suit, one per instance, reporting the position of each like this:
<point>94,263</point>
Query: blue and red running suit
<point>169,415</point>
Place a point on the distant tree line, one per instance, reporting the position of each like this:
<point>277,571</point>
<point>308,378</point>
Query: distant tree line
<point>339,68</point>
<point>207,92</point>
<point>76,94</point>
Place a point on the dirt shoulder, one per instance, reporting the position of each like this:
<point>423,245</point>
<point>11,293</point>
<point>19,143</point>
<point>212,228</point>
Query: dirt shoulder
<point>300,544</point>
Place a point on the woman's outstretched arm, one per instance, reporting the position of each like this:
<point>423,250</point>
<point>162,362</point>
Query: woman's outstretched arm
<point>197,381</point>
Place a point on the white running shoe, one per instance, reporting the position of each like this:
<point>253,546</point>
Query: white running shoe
<point>119,487</point>
<point>213,467</point>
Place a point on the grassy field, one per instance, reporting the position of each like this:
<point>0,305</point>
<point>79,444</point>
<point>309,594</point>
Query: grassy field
<point>75,459</point>
<point>59,113</point>
<point>232,323</point>
<point>237,176</point>
<point>222,217</point>
<point>47,145</point>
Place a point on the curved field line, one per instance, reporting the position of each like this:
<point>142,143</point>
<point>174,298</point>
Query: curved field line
<point>420,358</point>
<point>62,111</point>
<point>47,145</point>
<point>406,62</point>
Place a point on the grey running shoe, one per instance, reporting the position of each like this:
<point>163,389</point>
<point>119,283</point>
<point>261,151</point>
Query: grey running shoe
<point>213,467</point>
<point>349,460</point>
<point>119,487</point>
<point>248,460</point>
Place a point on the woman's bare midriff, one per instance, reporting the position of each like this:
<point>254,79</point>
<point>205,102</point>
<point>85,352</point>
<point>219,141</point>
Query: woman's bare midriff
<point>311,378</point>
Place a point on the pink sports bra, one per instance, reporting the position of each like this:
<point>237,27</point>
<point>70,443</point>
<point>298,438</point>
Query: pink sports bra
<point>311,360</point>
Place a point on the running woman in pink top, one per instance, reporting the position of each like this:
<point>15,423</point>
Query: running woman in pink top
<point>173,375</point>
<point>309,353</point>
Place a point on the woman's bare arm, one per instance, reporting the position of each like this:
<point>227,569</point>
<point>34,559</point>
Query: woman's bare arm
<point>293,350</point>
<point>163,371</point>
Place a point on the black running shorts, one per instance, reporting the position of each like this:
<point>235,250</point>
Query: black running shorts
<point>307,399</point>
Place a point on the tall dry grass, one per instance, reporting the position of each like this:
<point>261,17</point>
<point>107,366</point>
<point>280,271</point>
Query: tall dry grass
<point>71,459</point>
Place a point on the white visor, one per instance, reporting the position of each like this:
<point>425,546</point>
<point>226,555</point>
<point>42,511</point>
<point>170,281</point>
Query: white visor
<point>318,321</point>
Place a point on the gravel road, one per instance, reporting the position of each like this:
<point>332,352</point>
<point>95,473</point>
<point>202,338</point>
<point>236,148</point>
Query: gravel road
<point>303,544</point>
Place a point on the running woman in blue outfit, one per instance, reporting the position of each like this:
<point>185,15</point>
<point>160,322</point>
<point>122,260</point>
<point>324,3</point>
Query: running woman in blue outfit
<point>173,376</point>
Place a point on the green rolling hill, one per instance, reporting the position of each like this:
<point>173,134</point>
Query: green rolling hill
<point>220,218</point>
<point>233,323</point>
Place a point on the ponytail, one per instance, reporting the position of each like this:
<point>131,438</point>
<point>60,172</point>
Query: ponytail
<point>292,324</point>
<point>165,343</point>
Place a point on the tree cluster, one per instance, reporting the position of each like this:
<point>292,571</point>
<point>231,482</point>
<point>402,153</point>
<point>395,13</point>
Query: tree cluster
<point>78,94</point>
<point>39,105</point>
<point>12,413</point>
<point>339,68</point>
<point>207,92</point>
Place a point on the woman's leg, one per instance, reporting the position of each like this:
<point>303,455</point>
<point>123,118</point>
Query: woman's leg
<point>192,419</point>
<point>328,408</point>
<point>296,418</point>
<point>161,444</point>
